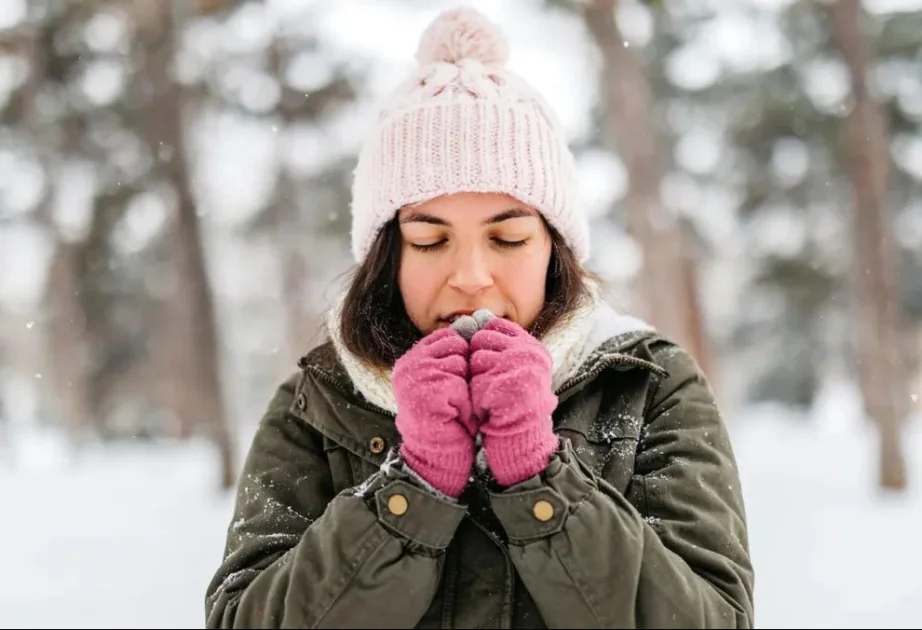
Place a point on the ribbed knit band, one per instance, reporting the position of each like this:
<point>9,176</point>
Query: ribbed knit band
<point>514,458</point>
<point>446,470</point>
<point>474,146</point>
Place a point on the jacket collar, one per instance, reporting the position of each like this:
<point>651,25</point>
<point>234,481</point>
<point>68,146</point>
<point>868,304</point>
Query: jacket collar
<point>332,401</point>
<point>595,337</point>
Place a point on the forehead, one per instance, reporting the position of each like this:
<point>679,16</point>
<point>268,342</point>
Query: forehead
<point>462,208</point>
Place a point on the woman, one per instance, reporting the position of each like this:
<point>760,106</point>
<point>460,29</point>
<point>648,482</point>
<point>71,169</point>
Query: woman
<point>482,442</point>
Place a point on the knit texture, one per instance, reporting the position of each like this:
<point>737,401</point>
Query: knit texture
<point>434,420</point>
<point>465,123</point>
<point>512,400</point>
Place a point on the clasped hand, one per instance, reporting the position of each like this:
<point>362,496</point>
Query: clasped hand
<point>498,384</point>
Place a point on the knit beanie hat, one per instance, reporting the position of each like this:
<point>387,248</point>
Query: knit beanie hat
<point>465,123</point>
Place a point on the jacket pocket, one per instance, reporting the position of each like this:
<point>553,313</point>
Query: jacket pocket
<point>342,468</point>
<point>347,469</point>
<point>604,425</point>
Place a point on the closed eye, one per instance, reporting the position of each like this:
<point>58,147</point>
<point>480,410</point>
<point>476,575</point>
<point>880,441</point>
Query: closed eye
<point>510,244</point>
<point>428,247</point>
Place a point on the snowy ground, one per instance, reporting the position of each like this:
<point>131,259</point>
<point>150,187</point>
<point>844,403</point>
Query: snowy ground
<point>829,549</point>
<point>123,538</point>
<point>129,537</point>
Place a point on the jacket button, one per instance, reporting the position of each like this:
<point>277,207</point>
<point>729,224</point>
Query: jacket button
<point>376,444</point>
<point>302,401</point>
<point>397,504</point>
<point>543,511</point>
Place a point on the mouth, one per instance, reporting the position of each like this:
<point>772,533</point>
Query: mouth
<point>451,318</point>
<point>454,316</point>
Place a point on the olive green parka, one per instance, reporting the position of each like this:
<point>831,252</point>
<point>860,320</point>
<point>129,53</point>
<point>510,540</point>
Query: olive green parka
<point>637,522</point>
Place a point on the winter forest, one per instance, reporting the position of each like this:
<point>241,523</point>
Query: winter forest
<point>174,225</point>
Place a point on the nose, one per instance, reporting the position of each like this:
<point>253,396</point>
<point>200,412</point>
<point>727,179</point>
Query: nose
<point>471,272</point>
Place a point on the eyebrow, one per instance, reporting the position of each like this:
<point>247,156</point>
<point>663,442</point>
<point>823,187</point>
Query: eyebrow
<point>416,216</point>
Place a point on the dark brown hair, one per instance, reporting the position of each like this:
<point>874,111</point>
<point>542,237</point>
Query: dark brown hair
<point>374,324</point>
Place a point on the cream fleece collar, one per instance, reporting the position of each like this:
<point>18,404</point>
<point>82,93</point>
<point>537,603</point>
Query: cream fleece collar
<point>569,345</point>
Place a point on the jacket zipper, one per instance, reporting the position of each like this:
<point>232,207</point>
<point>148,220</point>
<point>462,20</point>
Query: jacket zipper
<point>451,579</point>
<point>510,571</point>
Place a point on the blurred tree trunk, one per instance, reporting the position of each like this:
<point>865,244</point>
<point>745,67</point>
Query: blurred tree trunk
<point>667,285</point>
<point>67,344</point>
<point>65,333</point>
<point>294,267</point>
<point>87,307</point>
<point>7,450</point>
<point>194,366</point>
<point>877,319</point>
<point>290,237</point>
<point>694,323</point>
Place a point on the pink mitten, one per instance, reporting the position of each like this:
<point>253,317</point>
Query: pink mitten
<point>513,399</point>
<point>434,410</point>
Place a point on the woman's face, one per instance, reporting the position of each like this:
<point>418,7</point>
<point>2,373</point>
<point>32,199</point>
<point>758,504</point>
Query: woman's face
<point>469,251</point>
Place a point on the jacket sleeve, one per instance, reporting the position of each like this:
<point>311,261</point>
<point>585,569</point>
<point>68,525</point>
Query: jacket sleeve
<point>674,556</point>
<point>298,556</point>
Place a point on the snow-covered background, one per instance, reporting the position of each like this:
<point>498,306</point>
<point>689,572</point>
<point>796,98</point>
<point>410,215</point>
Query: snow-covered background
<point>127,534</point>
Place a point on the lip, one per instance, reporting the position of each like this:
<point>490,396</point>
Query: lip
<point>452,316</point>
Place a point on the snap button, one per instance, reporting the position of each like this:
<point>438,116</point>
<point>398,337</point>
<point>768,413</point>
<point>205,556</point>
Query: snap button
<point>302,401</point>
<point>543,511</point>
<point>376,444</point>
<point>397,504</point>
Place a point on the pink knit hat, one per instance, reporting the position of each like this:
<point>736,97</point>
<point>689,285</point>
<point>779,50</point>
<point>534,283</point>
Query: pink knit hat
<point>464,123</point>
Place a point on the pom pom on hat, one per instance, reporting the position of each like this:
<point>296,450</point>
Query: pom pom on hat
<point>462,34</point>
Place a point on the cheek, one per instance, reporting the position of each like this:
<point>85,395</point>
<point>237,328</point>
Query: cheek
<point>417,282</point>
<point>524,285</point>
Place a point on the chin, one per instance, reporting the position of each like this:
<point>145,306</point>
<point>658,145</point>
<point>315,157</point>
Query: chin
<point>428,327</point>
